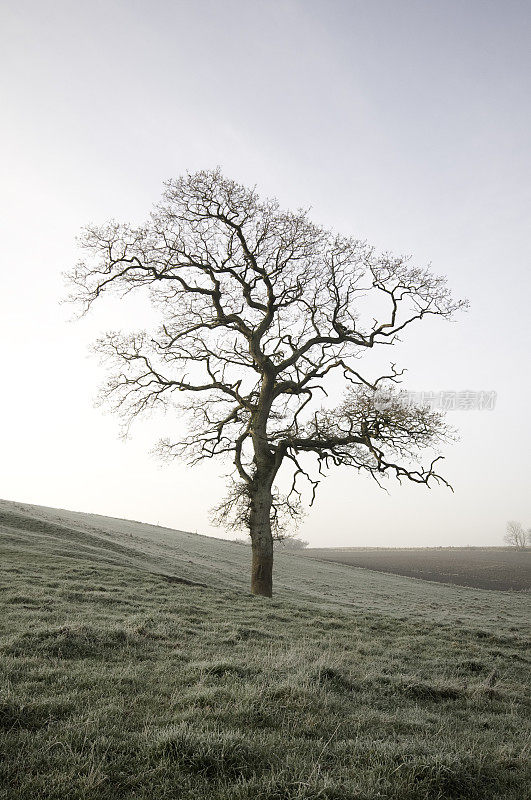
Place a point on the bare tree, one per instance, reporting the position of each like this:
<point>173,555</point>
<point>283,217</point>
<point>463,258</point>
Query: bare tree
<point>259,308</point>
<point>516,536</point>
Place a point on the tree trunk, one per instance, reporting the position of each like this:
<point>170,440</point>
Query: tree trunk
<point>262,541</point>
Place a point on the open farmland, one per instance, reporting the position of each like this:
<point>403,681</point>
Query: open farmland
<point>134,663</point>
<point>501,568</point>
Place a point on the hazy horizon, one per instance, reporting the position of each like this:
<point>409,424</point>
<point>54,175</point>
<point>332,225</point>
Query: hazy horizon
<point>406,124</point>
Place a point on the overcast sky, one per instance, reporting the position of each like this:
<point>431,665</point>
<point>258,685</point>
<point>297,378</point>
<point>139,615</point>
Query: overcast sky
<point>404,123</point>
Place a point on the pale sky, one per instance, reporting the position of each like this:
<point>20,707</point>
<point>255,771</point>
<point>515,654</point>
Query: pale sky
<point>403,123</point>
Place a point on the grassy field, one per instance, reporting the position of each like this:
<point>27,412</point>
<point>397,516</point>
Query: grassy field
<point>502,568</point>
<point>119,680</point>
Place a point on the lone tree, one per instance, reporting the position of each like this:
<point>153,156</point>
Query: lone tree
<point>516,536</point>
<point>259,309</point>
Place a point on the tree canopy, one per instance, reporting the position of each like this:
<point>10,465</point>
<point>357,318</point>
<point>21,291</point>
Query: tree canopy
<point>259,308</point>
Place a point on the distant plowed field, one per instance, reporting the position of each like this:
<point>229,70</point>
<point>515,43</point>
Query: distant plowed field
<point>483,567</point>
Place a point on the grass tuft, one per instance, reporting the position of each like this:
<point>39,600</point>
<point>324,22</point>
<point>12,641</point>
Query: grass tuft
<point>16,714</point>
<point>434,693</point>
<point>333,679</point>
<point>213,753</point>
<point>458,778</point>
<point>70,641</point>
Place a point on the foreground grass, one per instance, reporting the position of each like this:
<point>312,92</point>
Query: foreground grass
<point>117,683</point>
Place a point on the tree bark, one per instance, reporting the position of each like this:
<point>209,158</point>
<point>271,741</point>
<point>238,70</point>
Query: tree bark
<point>261,488</point>
<point>261,541</point>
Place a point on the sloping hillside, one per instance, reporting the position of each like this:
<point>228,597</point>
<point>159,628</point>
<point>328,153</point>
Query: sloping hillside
<point>134,663</point>
<point>219,563</point>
